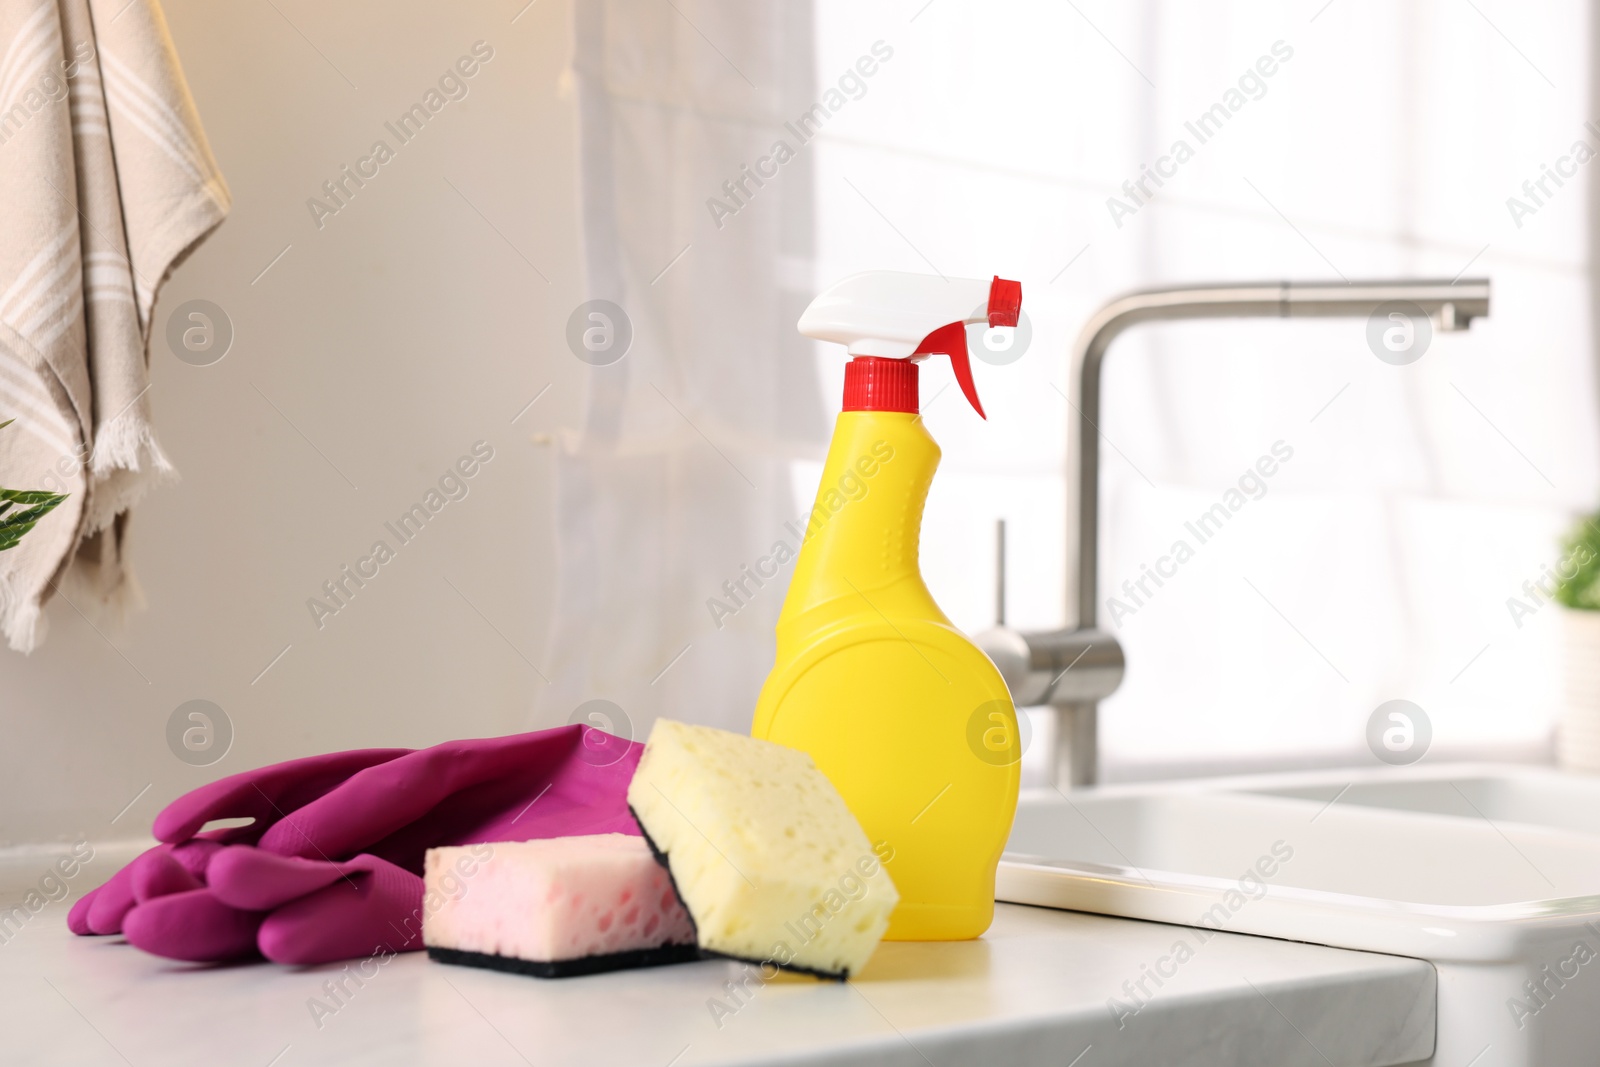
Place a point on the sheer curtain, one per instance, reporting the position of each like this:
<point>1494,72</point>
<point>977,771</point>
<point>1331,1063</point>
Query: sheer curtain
<point>1357,140</point>
<point>678,480</point>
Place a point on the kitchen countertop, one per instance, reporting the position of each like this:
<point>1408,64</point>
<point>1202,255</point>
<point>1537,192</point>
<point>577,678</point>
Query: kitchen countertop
<point>1034,990</point>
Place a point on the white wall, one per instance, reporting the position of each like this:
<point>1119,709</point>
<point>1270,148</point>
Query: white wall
<point>403,331</point>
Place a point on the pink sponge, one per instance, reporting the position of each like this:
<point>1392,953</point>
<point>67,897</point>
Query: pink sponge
<point>556,907</point>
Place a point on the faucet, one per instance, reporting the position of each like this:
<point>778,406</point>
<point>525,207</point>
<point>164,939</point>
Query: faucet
<point>1073,669</point>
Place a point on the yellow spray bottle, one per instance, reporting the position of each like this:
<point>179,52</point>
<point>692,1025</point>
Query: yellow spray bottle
<point>907,718</point>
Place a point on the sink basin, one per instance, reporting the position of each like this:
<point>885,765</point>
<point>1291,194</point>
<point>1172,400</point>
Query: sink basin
<point>1491,873</point>
<point>1537,796</point>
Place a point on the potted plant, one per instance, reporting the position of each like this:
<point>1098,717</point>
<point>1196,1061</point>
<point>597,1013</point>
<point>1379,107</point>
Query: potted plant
<point>1577,590</point>
<point>21,509</point>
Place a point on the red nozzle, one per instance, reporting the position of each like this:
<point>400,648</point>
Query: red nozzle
<point>1005,302</point>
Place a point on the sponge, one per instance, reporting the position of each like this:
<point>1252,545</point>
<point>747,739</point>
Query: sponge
<point>555,907</point>
<point>764,853</point>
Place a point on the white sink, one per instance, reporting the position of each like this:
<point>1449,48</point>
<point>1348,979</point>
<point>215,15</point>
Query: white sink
<point>1491,873</point>
<point>1539,796</point>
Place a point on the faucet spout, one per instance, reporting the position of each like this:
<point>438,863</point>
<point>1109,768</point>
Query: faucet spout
<point>1452,305</point>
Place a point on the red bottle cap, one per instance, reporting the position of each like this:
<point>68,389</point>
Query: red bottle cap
<point>877,383</point>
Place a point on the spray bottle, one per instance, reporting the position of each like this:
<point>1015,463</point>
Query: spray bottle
<point>909,720</point>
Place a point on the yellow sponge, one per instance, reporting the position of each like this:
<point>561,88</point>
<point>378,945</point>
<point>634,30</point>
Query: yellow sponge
<point>768,860</point>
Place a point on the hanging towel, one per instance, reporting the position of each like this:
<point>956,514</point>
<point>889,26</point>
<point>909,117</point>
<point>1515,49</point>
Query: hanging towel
<point>106,184</point>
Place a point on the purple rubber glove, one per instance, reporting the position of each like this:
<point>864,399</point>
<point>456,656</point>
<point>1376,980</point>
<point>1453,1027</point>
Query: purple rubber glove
<point>339,876</point>
<point>264,794</point>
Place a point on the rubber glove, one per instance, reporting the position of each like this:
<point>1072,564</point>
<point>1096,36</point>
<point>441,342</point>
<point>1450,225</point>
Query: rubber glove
<point>264,795</point>
<point>339,876</point>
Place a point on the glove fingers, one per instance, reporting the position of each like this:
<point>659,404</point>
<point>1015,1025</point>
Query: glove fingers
<point>264,794</point>
<point>78,917</point>
<point>193,926</point>
<point>377,909</point>
<point>159,874</point>
<point>245,877</point>
<point>155,872</point>
<point>195,854</point>
<point>102,911</point>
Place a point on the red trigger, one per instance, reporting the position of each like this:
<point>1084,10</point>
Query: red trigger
<point>951,340</point>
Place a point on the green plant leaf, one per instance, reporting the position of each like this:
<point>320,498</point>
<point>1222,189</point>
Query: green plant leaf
<point>31,496</point>
<point>1577,573</point>
<point>13,524</point>
<point>35,504</point>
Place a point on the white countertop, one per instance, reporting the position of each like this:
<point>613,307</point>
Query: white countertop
<point>1033,990</point>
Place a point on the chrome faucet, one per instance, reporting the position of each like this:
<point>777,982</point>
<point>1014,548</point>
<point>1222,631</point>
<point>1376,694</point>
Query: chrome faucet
<point>1073,669</point>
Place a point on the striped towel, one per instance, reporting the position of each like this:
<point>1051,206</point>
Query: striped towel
<point>106,184</point>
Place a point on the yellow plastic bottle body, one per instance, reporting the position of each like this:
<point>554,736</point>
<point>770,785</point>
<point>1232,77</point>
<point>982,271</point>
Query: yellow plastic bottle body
<point>907,718</point>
